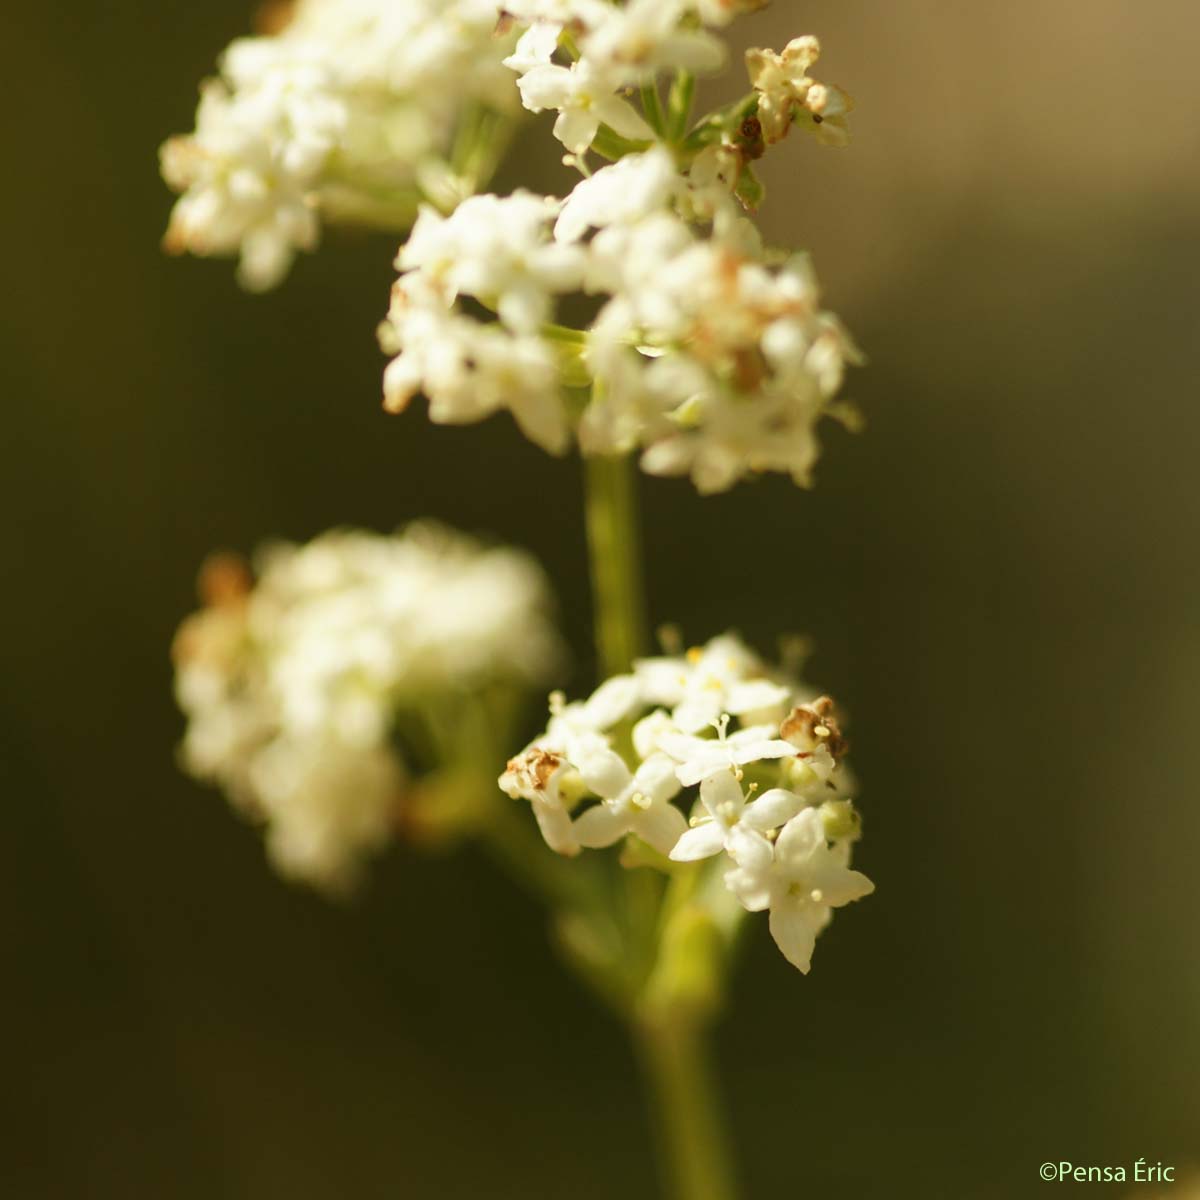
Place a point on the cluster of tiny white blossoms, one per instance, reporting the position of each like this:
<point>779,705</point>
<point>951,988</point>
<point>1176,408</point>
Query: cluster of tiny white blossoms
<point>342,114</point>
<point>710,354</point>
<point>772,793</point>
<point>293,682</point>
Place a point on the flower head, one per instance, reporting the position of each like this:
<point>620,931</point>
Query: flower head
<point>613,767</point>
<point>337,116</point>
<point>787,94</point>
<point>293,684</point>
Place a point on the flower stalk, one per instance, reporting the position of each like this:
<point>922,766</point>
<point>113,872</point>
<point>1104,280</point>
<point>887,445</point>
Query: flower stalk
<point>614,547</point>
<point>690,1130</point>
<point>667,1021</point>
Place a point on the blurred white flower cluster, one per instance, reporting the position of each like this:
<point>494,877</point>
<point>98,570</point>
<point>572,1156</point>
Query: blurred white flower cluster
<point>772,796</point>
<point>709,354</point>
<point>345,113</point>
<point>295,682</point>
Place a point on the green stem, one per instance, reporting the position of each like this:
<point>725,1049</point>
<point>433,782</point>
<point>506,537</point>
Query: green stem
<point>613,543</point>
<point>691,1132</point>
<point>679,104</point>
<point>611,145</point>
<point>667,1019</point>
<point>652,107</point>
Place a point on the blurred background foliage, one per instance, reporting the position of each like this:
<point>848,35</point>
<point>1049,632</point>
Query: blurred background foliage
<point>999,576</point>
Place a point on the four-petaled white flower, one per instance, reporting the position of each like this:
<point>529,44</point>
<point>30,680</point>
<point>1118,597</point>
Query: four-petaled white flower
<point>698,757</point>
<point>637,802</point>
<point>585,97</point>
<point>733,824</point>
<point>499,251</point>
<point>801,883</point>
<point>651,35</point>
<point>623,193</point>
<point>536,775</point>
<point>722,677</point>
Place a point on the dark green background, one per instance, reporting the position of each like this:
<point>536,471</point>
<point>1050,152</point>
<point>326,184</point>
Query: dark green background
<point>999,576</point>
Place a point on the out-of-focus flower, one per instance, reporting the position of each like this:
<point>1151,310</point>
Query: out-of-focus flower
<point>295,685</point>
<point>339,115</point>
<point>788,94</point>
<point>619,761</point>
<point>585,97</point>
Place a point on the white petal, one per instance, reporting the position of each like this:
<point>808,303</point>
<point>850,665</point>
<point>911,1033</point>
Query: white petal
<point>757,751</point>
<point>752,888</point>
<point>656,780</point>
<point>576,127</point>
<point>663,679</point>
<point>555,824</point>
<point>772,809</point>
<point>545,87</point>
<point>700,768</point>
<point>837,884</point>
<point>698,712</point>
<point>600,827</point>
<point>649,729</point>
<point>612,701</point>
<point>702,842</point>
<point>535,48</point>
<point>801,838</point>
<point>604,772</point>
<point>722,795</point>
<point>542,421</point>
<point>794,926</point>
<point>750,850</point>
<point>623,118</point>
<point>660,825</point>
<point>755,694</point>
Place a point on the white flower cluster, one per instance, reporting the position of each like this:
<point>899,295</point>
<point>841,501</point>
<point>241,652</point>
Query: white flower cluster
<point>706,357</point>
<point>772,792</point>
<point>292,683</point>
<point>337,116</point>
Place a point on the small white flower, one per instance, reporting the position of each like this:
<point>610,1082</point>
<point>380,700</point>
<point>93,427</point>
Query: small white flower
<point>648,36</point>
<point>535,48</point>
<point>637,803</point>
<point>574,746</point>
<point>585,98</point>
<point>803,881</point>
<point>723,677</point>
<point>624,192</point>
<point>536,776</point>
<point>498,250</point>
<point>611,703</point>
<point>698,758</point>
<point>734,825</point>
<point>469,370</point>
